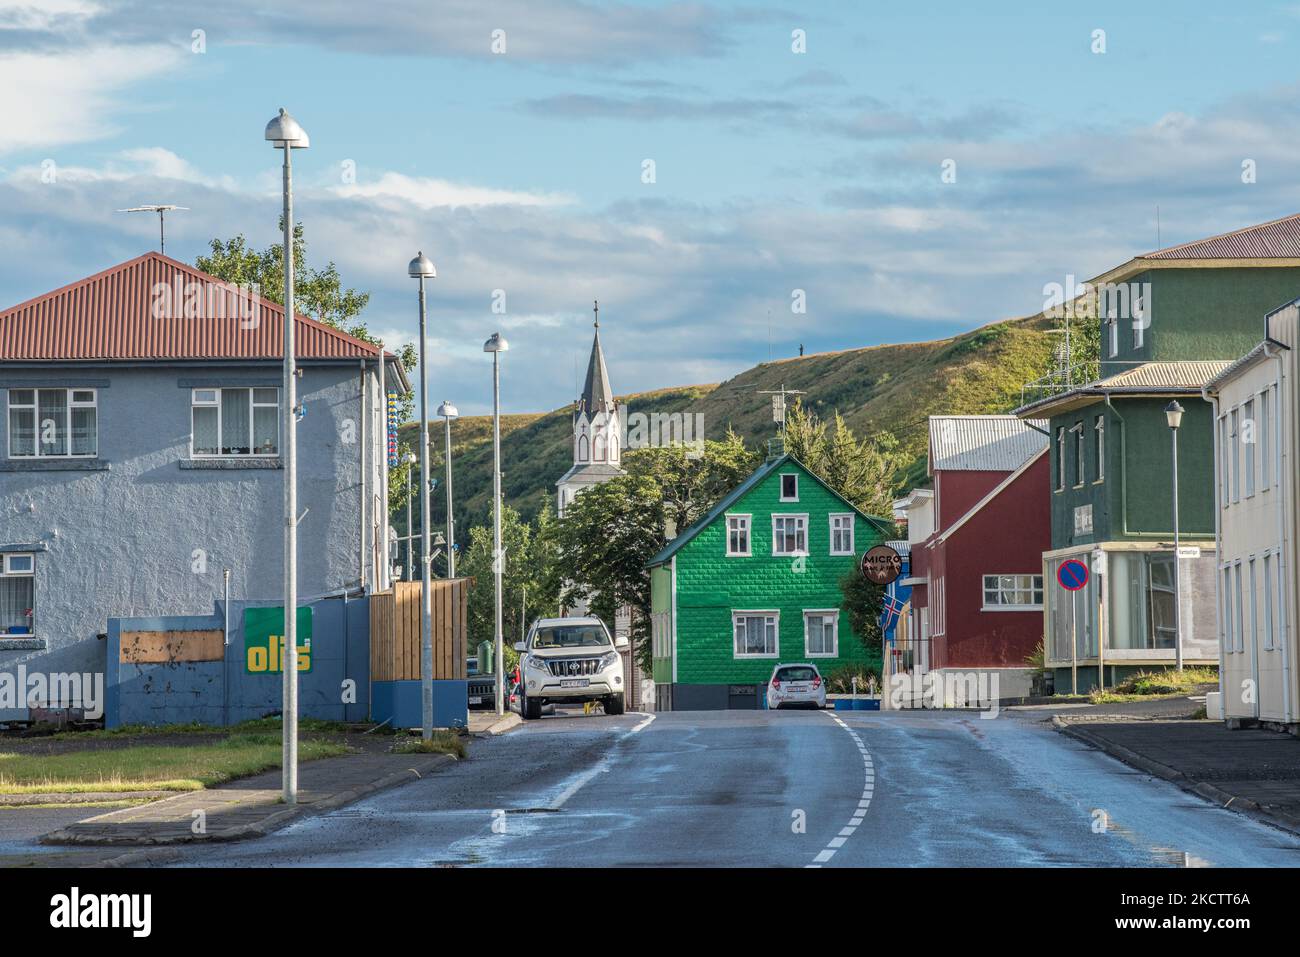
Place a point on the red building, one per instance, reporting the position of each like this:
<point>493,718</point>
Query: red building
<point>977,543</point>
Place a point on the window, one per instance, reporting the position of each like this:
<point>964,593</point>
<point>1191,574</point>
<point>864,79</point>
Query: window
<point>16,594</point>
<point>755,633</point>
<point>1113,323</point>
<point>1099,459</point>
<point>53,423</point>
<point>821,633</point>
<point>1060,458</point>
<point>1077,429</point>
<point>1239,623</point>
<point>1268,602</point>
<point>1227,609</point>
<point>1012,592</point>
<point>789,534</point>
<point>940,620</point>
<point>1252,436</point>
<point>1224,487</point>
<point>1140,321</point>
<point>842,534</point>
<point>1265,448</point>
<point>1254,606</point>
<point>738,534</point>
<point>789,488</point>
<point>1234,456</point>
<point>660,635</point>
<point>235,422</point>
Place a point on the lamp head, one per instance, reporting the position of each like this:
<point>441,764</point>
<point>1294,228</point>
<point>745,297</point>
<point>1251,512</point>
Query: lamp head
<point>422,267</point>
<point>1174,414</point>
<point>283,130</point>
<point>447,410</point>
<point>496,344</point>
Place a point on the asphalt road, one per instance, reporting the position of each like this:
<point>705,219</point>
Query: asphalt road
<point>775,789</point>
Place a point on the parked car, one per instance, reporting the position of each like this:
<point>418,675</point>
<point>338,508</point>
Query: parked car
<point>796,686</point>
<point>570,660</point>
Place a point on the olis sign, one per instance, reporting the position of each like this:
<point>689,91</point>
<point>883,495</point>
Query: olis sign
<point>264,644</point>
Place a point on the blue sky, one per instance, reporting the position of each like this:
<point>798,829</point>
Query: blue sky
<point>774,170</point>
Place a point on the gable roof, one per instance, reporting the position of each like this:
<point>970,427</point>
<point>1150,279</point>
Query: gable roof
<point>156,307</point>
<point>992,494</point>
<point>760,473</point>
<point>597,396</point>
<point>1150,379</point>
<point>991,443</point>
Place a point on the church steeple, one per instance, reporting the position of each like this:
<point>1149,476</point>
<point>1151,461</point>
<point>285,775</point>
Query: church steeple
<point>597,396</point>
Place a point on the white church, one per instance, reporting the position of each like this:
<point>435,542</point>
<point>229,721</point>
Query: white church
<point>597,454</point>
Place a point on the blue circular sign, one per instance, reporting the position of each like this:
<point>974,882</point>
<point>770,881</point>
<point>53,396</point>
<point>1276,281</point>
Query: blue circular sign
<point>1073,574</point>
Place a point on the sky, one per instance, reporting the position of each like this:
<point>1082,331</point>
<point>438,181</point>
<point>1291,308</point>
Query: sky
<point>730,180</point>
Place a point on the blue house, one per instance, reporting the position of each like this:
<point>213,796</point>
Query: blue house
<point>141,476</point>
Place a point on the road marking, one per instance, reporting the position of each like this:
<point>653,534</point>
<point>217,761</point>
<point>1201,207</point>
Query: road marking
<point>868,789</point>
<point>643,724</point>
<point>583,778</point>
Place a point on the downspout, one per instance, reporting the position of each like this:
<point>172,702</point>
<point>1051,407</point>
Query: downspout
<point>225,645</point>
<point>382,580</point>
<point>365,408</point>
<point>1218,545</point>
<point>1288,586</point>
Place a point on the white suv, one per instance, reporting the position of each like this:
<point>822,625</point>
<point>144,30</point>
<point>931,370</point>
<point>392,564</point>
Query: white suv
<point>567,660</point>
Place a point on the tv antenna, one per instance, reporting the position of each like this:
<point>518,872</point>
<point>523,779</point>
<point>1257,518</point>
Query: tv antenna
<point>779,403</point>
<point>162,210</point>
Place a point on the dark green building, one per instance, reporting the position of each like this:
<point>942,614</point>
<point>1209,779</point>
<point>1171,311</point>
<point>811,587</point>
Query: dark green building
<point>1169,322</point>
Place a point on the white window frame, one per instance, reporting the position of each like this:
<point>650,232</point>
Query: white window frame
<point>1227,640</point>
<point>1137,310</point>
<point>801,516</point>
<point>1234,441</point>
<point>1248,448</point>
<point>35,406</point>
<point>1224,485</point>
<point>834,615</point>
<point>253,405</point>
<point>744,522</point>
<point>1060,458</point>
<point>1240,624</point>
<point>1265,445</point>
<point>1113,320</point>
<point>1080,473</point>
<point>842,516</point>
<point>1099,434</point>
<point>1027,582</point>
<point>7,570</point>
<point>783,477</point>
<point>770,617</point>
<point>1269,616</point>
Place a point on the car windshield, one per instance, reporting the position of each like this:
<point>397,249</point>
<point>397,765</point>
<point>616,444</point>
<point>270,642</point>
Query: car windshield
<point>796,674</point>
<point>570,636</point>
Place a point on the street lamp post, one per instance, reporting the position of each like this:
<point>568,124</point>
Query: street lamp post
<point>497,345</point>
<point>410,534</point>
<point>283,132</point>
<point>1174,416</point>
<point>448,412</point>
<point>421,268</point>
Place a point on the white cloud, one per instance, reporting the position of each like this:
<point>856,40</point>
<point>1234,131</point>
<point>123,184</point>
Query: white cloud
<point>427,193</point>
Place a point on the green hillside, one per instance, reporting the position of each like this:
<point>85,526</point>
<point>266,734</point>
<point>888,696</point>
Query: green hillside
<point>893,388</point>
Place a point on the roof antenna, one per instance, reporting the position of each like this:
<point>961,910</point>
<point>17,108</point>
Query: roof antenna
<point>161,210</point>
<point>1158,226</point>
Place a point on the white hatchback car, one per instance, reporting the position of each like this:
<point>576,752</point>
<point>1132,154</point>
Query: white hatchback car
<point>796,686</point>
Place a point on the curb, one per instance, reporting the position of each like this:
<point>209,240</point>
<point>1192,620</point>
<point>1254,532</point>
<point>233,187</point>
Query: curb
<point>269,824</point>
<point>1202,789</point>
<point>507,723</point>
<point>81,797</point>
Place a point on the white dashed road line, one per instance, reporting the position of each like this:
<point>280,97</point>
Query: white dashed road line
<point>868,790</point>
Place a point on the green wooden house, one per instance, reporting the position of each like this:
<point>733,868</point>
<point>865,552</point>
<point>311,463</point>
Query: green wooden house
<point>1170,321</point>
<point>754,583</point>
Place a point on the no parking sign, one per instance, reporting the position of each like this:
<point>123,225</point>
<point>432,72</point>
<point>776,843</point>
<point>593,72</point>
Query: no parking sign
<point>1072,574</point>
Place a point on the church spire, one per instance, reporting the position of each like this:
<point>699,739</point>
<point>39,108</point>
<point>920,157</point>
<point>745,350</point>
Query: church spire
<point>597,395</point>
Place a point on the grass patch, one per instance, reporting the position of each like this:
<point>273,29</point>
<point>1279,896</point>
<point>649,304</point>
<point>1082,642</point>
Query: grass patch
<point>1164,683</point>
<point>305,726</point>
<point>152,767</point>
<point>442,742</point>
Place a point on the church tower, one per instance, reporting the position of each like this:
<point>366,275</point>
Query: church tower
<point>597,430</point>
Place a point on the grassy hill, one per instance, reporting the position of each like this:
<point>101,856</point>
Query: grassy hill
<point>891,388</point>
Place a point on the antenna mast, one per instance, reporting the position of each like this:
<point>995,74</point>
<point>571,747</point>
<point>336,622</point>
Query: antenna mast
<point>162,210</point>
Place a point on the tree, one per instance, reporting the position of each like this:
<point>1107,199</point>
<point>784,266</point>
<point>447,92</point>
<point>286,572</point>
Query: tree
<point>867,473</point>
<point>862,600</point>
<point>692,481</point>
<point>318,293</point>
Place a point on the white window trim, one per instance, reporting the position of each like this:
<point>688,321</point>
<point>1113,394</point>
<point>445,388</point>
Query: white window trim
<point>1099,436</point>
<point>756,613</point>
<point>806,543</point>
<point>8,569</point>
<point>830,524</point>
<point>35,407</point>
<point>984,606</point>
<point>253,405</point>
<point>781,490</point>
<point>1080,450</point>
<point>835,632</point>
<point>1060,459</point>
<point>1268,560</point>
<point>1248,449</point>
<point>749,534</point>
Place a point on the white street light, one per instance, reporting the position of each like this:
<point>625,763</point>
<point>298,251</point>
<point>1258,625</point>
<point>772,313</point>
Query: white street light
<point>1174,416</point>
<point>410,534</point>
<point>421,268</point>
<point>448,412</point>
<point>283,132</point>
<point>497,345</point>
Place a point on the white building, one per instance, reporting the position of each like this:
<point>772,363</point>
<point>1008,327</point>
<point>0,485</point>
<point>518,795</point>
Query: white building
<point>1255,442</point>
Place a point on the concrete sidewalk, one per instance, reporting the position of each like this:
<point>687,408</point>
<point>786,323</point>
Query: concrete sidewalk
<point>1251,770</point>
<point>249,807</point>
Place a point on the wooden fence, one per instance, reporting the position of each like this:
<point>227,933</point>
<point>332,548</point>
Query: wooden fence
<point>395,631</point>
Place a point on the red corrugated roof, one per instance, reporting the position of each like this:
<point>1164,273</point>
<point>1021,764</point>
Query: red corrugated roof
<point>1278,239</point>
<point>154,307</point>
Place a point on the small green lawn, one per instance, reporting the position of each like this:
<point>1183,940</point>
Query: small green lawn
<point>1165,683</point>
<point>442,742</point>
<point>152,767</point>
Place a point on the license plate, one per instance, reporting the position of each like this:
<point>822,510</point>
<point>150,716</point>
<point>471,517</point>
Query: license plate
<point>799,688</point>
<point>575,683</point>
<point>476,699</point>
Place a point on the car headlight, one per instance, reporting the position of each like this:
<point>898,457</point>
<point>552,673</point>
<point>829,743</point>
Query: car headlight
<point>607,660</point>
<point>533,661</point>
